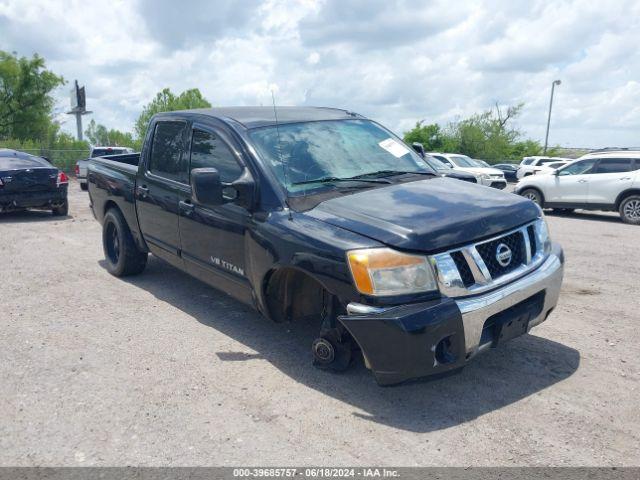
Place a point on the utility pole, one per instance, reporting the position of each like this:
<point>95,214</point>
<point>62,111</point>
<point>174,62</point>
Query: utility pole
<point>78,106</point>
<point>546,137</point>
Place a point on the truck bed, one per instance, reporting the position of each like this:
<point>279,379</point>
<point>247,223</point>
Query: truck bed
<point>112,183</point>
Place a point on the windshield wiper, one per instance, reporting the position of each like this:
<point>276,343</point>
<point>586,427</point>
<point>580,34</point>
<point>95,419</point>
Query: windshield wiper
<point>392,173</point>
<point>342,179</point>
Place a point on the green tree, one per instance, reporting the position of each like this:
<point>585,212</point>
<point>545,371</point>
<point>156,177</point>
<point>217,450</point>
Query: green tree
<point>25,97</point>
<point>98,134</point>
<point>166,101</point>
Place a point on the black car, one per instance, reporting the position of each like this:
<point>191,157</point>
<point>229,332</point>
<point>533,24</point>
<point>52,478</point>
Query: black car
<point>509,170</point>
<point>27,181</point>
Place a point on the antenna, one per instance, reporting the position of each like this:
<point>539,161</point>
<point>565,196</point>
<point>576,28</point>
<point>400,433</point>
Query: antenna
<point>284,166</point>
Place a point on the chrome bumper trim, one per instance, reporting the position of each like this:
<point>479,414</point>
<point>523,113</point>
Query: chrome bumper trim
<point>360,309</point>
<point>476,310</point>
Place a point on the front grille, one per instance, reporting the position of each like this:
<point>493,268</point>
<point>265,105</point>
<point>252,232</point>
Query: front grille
<point>531,233</point>
<point>463,268</point>
<point>475,268</point>
<point>488,252</point>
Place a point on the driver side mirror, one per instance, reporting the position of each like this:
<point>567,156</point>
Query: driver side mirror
<point>206,187</point>
<point>208,190</point>
<point>419,148</point>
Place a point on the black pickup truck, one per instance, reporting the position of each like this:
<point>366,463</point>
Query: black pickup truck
<point>319,214</point>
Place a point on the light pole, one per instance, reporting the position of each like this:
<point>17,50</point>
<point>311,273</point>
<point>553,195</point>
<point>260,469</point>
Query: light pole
<point>546,137</point>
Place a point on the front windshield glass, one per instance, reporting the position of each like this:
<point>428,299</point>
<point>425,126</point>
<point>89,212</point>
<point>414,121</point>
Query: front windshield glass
<point>335,149</point>
<point>464,161</point>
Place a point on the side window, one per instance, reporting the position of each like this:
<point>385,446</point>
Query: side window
<point>209,151</point>
<point>578,168</point>
<point>166,159</point>
<point>614,165</point>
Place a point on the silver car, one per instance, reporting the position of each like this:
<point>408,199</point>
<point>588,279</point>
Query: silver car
<point>81,165</point>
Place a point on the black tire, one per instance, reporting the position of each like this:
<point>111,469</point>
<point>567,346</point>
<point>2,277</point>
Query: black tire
<point>84,186</point>
<point>630,209</point>
<point>121,254</point>
<point>534,195</point>
<point>62,210</point>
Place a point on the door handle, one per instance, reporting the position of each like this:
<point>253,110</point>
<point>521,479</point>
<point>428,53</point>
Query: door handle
<point>186,207</point>
<point>625,178</point>
<point>582,181</point>
<point>143,191</point>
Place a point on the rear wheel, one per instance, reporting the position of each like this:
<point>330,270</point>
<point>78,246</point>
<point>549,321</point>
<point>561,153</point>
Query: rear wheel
<point>120,251</point>
<point>534,195</point>
<point>630,210</point>
<point>84,186</point>
<point>61,210</point>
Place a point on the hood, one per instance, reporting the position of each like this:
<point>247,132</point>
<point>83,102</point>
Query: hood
<point>427,215</point>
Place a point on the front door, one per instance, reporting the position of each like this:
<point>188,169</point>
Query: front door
<point>571,184</point>
<point>159,188</point>
<point>213,238</point>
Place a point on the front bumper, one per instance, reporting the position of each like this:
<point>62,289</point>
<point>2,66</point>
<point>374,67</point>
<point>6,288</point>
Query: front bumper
<point>45,199</point>
<point>416,340</point>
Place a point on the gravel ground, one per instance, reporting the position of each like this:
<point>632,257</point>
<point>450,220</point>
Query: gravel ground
<point>162,370</point>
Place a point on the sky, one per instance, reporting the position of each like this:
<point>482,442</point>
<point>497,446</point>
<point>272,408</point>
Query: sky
<point>396,61</point>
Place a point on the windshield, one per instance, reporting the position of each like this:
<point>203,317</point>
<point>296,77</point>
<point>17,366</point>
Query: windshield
<point>464,161</point>
<point>332,150</point>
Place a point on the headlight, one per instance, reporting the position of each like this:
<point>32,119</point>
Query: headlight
<point>544,239</point>
<point>484,176</point>
<point>383,271</point>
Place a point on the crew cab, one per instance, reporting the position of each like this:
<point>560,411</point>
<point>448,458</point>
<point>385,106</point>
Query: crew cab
<point>322,215</point>
<point>491,177</point>
<point>531,165</point>
<point>81,165</point>
<point>27,181</point>
<point>606,180</point>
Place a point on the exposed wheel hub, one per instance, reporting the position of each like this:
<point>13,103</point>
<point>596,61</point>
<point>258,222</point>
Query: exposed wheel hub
<point>323,351</point>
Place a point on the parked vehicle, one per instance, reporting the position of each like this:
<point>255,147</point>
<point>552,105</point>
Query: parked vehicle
<point>327,216</point>
<point>528,165</point>
<point>607,180</point>
<point>442,169</point>
<point>548,168</point>
<point>27,181</point>
<point>81,165</point>
<point>491,177</point>
<point>509,170</point>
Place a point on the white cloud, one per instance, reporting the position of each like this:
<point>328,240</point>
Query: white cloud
<point>395,61</point>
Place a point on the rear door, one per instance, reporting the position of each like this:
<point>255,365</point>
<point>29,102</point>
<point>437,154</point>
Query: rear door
<point>164,180</point>
<point>213,238</point>
<point>571,185</point>
<point>610,177</point>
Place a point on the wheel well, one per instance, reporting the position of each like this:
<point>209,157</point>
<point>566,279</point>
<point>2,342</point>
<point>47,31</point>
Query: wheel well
<point>625,194</point>
<point>109,205</point>
<point>293,294</point>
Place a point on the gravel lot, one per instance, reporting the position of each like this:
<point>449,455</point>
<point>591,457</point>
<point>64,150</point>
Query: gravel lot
<point>160,369</point>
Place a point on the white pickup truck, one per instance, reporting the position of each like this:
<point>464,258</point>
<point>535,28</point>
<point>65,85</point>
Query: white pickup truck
<point>81,165</point>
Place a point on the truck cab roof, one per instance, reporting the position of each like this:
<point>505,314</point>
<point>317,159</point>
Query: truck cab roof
<point>255,117</point>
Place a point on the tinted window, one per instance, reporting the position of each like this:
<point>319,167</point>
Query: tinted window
<point>578,168</point>
<point>208,151</point>
<point>542,161</point>
<point>166,151</point>
<point>14,162</point>
<point>101,152</point>
<point>614,165</point>
<point>526,161</point>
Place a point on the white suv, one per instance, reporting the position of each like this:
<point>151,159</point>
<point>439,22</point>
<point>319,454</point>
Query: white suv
<point>600,180</point>
<point>528,165</point>
<point>490,177</point>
